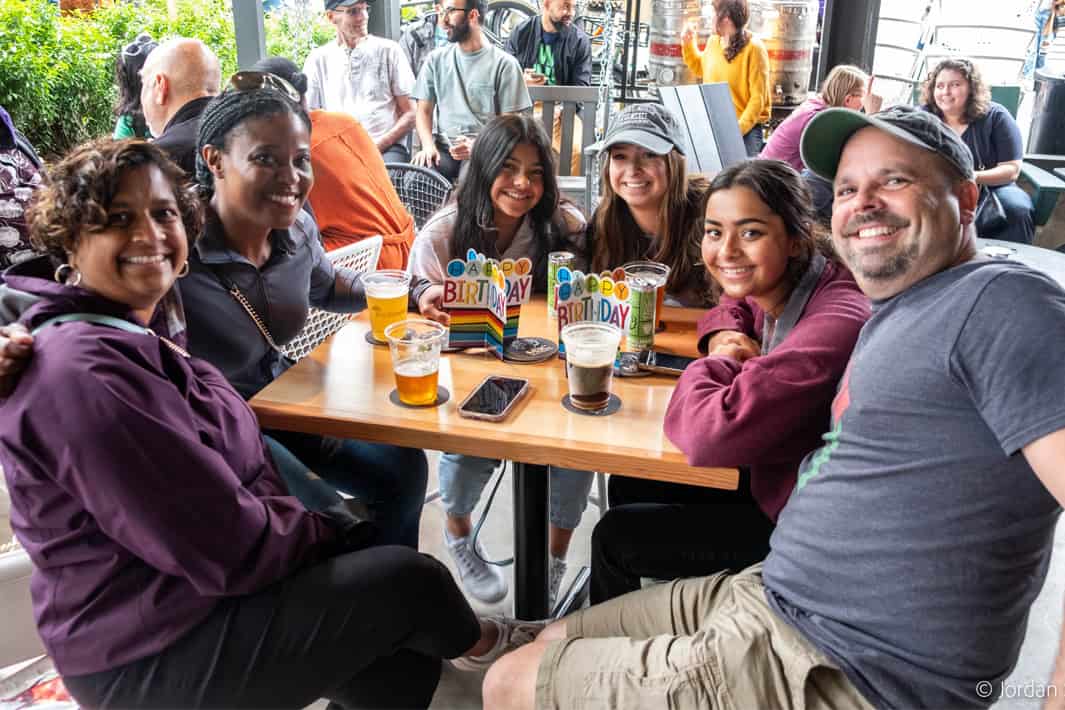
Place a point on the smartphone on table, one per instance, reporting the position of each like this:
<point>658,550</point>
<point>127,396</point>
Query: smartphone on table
<point>493,399</point>
<point>664,363</point>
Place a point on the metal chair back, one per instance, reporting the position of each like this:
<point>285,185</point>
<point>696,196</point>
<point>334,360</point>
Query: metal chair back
<point>567,99</point>
<point>420,190</point>
<point>360,257</point>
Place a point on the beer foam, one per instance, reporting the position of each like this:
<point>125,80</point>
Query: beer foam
<point>389,290</point>
<point>594,356</point>
<point>416,368</point>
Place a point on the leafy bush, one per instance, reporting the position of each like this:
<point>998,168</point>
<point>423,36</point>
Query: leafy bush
<point>57,70</point>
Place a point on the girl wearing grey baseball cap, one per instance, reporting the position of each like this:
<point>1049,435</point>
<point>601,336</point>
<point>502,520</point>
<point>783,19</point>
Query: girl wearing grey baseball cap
<point>650,207</point>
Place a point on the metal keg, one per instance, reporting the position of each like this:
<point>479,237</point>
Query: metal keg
<point>665,64</point>
<point>789,30</point>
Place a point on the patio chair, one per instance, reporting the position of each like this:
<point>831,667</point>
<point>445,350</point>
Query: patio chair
<point>709,120</point>
<point>421,191</point>
<point>360,257</point>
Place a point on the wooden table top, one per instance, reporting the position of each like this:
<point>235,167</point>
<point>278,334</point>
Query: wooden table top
<point>342,388</point>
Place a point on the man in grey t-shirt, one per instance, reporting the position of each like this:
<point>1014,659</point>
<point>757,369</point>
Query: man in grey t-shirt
<point>904,564</point>
<point>461,87</point>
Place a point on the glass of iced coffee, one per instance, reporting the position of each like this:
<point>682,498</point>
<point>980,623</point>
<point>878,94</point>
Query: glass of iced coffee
<point>415,345</point>
<point>590,352</point>
<point>386,299</point>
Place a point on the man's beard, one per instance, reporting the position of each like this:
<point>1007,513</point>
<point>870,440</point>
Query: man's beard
<point>459,32</point>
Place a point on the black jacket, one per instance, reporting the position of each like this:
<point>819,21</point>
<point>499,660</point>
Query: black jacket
<point>573,51</point>
<point>179,137</point>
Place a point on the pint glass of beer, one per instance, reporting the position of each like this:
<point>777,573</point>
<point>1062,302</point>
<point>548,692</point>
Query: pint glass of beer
<point>386,298</point>
<point>415,345</point>
<point>590,352</point>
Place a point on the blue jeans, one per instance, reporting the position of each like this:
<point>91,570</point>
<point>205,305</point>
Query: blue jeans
<point>821,194</point>
<point>754,141</point>
<point>462,478</point>
<point>1020,224</point>
<point>390,480</point>
<point>1036,59</point>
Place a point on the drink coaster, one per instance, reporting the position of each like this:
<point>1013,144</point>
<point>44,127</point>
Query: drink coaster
<point>613,404</point>
<point>372,340</point>
<point>530,350</point>
<point>442,395</point>
<point>997,252</point>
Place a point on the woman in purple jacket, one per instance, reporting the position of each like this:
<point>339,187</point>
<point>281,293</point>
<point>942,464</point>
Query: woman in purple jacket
<point>171,569</point>
<point>777,344</point>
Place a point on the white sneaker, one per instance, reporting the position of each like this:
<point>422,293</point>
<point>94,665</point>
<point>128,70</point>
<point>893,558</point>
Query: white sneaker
<point>483,581</point>
<point>512,634</point>
<point>557,572</point>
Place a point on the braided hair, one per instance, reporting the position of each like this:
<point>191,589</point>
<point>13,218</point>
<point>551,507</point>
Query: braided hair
<point>227,111</point>
<point>738,13</point>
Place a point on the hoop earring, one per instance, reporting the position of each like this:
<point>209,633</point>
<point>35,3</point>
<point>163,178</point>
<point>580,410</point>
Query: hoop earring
<point>61,277</point>
<point>183,271</point>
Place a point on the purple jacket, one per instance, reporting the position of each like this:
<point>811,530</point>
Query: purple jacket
<point>140,487</point>
<point>770,411</point>
<point>783,143</point>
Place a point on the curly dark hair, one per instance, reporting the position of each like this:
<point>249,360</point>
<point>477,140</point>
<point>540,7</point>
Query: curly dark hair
<point>80,188</point>
<point>739,14</point>
<point>979,101</point>
<point>782,189</point>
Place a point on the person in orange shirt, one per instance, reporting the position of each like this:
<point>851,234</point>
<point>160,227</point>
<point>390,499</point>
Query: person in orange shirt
<point>353,197</point>
<point>734,56</point>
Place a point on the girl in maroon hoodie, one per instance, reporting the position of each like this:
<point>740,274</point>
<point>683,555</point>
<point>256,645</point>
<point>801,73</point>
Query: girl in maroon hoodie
<point>777,344</point>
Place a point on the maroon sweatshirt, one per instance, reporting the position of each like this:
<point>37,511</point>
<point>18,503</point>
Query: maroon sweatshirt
<point>770,411</point>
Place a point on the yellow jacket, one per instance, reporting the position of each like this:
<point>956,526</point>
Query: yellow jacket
<point>747,76</point>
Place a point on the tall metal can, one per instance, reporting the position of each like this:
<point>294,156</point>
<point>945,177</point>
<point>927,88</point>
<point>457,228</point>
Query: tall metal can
<point>646,279</point>
<point>556,260</point>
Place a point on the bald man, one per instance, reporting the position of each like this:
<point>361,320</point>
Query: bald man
<point>177,81</point>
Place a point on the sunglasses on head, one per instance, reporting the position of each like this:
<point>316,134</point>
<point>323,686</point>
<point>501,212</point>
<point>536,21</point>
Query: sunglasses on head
<point>254,80</point>
<point>143,44</point>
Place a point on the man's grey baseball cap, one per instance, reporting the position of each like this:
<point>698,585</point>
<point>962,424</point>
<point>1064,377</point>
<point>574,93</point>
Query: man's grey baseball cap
<point>650,126</point>
<point>826,134</point>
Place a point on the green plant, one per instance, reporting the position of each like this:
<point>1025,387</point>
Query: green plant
<point>294,29</point>
<point>57,70</point>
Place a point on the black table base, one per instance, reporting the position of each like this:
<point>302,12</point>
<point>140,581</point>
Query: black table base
<point>530,541</point>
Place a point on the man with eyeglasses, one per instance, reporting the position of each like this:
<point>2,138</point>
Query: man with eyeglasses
<point>553,51</point>
<point>363,75</point>
<point>461,88</point>
<point>178,80</point>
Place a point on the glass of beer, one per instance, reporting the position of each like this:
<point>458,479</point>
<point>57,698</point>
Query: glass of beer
<point>415,345</point>
<point>386,297</point>
<point>590,352</point>
<point>646,315</point>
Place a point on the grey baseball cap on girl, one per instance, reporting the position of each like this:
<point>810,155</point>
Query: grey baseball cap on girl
<point>650,126</point>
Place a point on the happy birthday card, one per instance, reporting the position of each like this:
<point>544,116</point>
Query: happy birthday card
<point>602,298</point>
<point>484,297</point>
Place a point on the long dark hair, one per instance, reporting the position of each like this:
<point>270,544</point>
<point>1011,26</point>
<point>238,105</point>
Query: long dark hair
<point>227,111</point>
<point>128,65</point>
<point>618,238</point>
<point>475,229</point>
<point>738,13</point>
<point>979,100</point>
<point>782,189</point>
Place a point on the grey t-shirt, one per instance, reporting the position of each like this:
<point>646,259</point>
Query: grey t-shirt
<point>918,535</point>
<point>470,89</point>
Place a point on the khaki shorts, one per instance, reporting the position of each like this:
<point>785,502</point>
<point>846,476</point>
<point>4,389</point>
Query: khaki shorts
<point>711,642</point>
